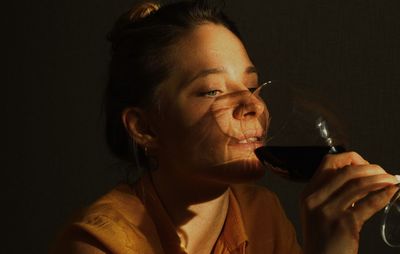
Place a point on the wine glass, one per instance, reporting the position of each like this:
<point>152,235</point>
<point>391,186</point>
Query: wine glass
<point>301,131</point>
<point>390,227</point>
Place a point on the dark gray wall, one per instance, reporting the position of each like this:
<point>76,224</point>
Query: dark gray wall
<point>55,55</point>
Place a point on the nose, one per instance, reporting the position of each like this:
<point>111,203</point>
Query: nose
<point>250,106</point>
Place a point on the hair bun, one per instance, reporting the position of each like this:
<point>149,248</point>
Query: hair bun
<point>142,10</point>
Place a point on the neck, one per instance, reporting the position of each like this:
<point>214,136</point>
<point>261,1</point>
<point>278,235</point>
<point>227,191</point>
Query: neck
<point>197,208</point>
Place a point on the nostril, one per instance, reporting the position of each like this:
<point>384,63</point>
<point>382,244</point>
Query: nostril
<point>248,106</point>
<point>246,111</point>
<point>252,113</point>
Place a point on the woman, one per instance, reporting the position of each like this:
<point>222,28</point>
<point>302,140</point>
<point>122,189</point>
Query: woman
<point>178,106</point>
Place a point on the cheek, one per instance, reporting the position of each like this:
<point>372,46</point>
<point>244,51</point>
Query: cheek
<point>225,122</point>
<point>194,120</point>
<point>193,132</point>
<point>192,111</point>
<point>182,123</point>
<point>199,133</point>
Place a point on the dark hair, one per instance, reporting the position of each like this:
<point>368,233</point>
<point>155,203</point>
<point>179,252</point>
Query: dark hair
<point>140,40</point>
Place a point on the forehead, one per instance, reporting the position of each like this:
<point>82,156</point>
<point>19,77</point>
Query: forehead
<point>209,46</point>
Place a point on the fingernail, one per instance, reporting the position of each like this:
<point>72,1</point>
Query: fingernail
<point>398,178</point>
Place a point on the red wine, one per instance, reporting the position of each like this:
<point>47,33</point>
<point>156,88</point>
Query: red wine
<point>295,162</point>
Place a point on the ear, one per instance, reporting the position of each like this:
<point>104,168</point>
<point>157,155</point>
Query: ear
<point>137,124</point>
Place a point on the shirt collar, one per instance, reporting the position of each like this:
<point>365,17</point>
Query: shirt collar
<point>166,229</point>
<point>233,234</point>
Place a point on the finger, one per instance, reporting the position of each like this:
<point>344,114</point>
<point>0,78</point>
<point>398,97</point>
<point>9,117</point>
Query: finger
<point>336,161</point>
<point>336,180</point>
<point>374,202</point>
<point>356,189</point>
<point>330,164</point>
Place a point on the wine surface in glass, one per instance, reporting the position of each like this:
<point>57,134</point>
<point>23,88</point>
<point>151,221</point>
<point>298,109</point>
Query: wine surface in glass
<point>298,163</point>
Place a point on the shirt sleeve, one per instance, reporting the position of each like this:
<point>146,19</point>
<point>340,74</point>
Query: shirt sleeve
<point>76,241</point>
<point>97,234</point>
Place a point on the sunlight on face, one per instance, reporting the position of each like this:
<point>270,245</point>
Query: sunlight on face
<point>209,122</point>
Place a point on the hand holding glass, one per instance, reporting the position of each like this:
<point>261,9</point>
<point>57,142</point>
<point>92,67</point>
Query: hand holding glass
<point>301,132</point>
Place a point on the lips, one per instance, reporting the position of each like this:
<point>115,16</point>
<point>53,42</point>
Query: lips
<point>249,140</point>
<point>248,137</point>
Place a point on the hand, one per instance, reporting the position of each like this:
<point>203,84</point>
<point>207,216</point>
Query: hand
<point>344,193</point>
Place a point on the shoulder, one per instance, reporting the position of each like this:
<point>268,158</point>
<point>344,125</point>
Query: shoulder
<point>117,222</point>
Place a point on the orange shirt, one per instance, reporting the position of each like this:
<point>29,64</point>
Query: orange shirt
<point>132,220</point>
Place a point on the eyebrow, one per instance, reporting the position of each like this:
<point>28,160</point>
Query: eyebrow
<point>206,72</point>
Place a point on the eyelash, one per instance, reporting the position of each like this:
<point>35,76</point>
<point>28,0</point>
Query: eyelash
<point>208,94</point>
<point>216,92</point>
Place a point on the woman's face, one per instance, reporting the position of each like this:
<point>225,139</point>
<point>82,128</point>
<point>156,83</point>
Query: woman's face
<point>208,124</point>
